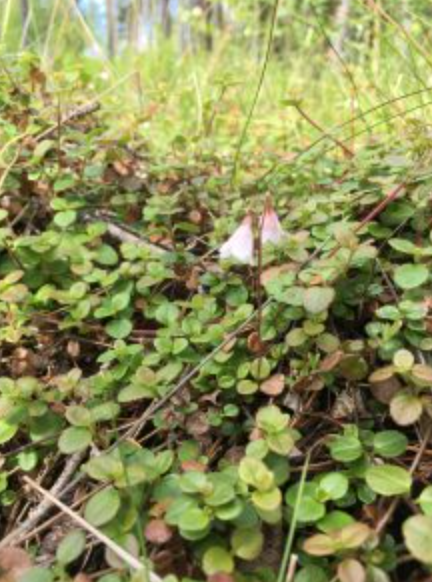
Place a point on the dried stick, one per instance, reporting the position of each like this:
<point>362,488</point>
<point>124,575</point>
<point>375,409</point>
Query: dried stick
<point>76,114</point>
<point>42,509</point>
<point>130,560</point>
<point>292,568</point>
<point>122,235</point>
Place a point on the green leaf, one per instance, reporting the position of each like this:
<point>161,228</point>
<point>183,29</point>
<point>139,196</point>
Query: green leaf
<point>390,443</point>
<point>246,387</point>
<point>425,500</point>
<point>119,328</point>
<point>102,507</point>
<point>281,443</point>
<point>247,543</point>
<point>216,560</point>
<point>296,338</point>
<point>79,416</point>
<point>309,509</point>
<point>27,460</point>
<point>194,519</point>
<point>71,547</point>
<point>404,246</point>
<point>37,574</point>
<point>417,531</point>
<point>345,448</point>
<point>312,573</point>
<point>267,500</point>
<point>334,520</point>
<point>411,276</point>
<point>65,219</point>
<point>195,482</point>
<point>106,256</point>
<point>7,431</point>
<point>222,493</point>
<point>403,361</point>
<point>388,480</point>
<point>333,486</point>
<point>136,392</point>
<point>318,299</point>
<point>271,419</point>
<point>74,439</point>
<point>260,369</point>
<point>254,472</point>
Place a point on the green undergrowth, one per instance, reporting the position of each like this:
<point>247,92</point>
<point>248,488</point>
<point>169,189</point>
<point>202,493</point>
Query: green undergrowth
<point>330,380</point>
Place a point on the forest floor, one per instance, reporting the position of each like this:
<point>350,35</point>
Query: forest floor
<point>166,412</point>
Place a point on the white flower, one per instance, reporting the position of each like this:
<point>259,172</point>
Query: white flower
<point>271,228</point>
<point>240,245</point>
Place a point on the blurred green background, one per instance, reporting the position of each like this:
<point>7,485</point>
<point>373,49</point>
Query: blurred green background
<point>184,73</point>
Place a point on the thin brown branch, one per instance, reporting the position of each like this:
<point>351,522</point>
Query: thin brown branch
<point>43,508</point>
<point>133,562</point>
<point>78,113</point>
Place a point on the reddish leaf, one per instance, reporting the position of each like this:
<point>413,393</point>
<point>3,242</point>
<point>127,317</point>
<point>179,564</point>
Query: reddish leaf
<point>158,532</point>
<point>274,385</point>
<point>220,577</point>
<point>331,361</point>
<point>14,562</point>
<point>192,465</point>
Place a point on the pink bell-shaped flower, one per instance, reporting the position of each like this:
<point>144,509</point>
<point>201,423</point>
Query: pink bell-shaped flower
<point>271,228</point>
<point>240,245</point>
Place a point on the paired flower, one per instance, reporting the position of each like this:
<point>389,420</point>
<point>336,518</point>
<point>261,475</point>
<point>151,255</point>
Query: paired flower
<point>270,226</point>
<point>240,245</point>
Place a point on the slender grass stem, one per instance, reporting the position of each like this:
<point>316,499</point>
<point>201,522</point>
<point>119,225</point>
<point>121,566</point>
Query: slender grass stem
<point>257,93</point>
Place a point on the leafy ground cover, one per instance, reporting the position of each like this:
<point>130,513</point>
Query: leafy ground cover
<point>217,421</point>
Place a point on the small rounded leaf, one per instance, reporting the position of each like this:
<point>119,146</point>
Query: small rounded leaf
<point>102,507</point>
<point>74,439</point>
<point>158,532</point>
<point>388,480</point>
<point>417,531</point>
<point>351,570</point>
<point>247,543</point>
<point>217,559</point>
<point>411,276</point>
<point>318,299</point>
<point>71,547</point>
<point>405,408</point>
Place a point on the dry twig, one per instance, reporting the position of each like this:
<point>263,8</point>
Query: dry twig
<point>42,509</point>
<point>133,562</point>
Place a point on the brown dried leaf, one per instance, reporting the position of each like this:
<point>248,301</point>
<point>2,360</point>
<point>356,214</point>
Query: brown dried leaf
<point>192,281</point>
<point>195,216</point>
<point>381,375</point>
<point>158,532</point>
<point>309,384</point>
<point>422,373</point>
<point>73,348</point>
<point>254,344</point>
<point>197,424</point>
<point>385,391</point>
<point>274,385</point>
<point>121,168</point>
<point>192,465</point>
<point>273,272</point>
<point>220,577</point>
<point>14,562</point>
<point>351,570</point>
<point>344,405</point>
<point>331,361</point>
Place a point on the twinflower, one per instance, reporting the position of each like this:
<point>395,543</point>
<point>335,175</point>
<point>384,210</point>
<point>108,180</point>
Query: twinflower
<point>271,228</point>
<point>240,245</point>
